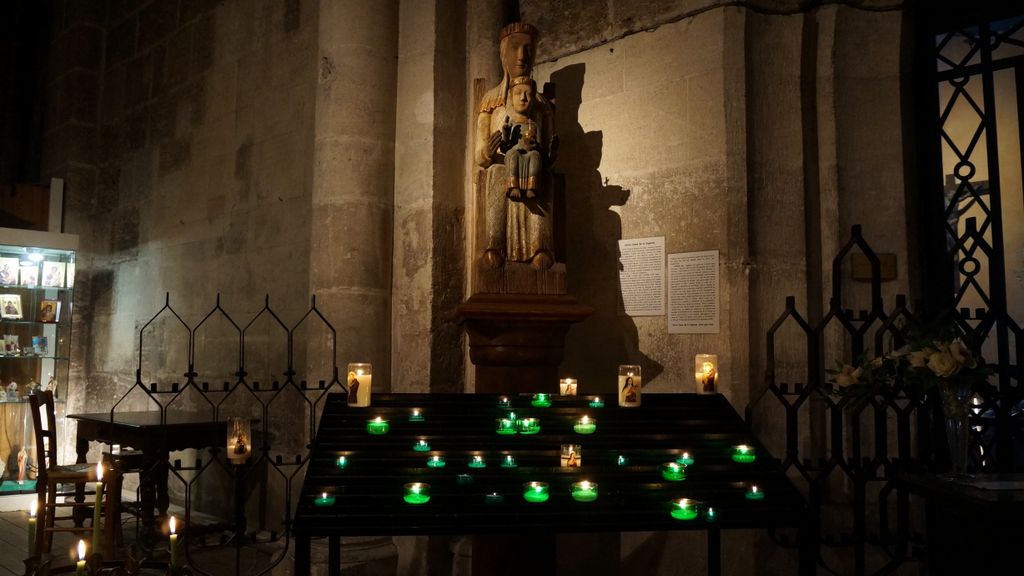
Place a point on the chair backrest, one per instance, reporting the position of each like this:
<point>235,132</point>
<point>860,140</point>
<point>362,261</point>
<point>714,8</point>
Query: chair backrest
<point>44,421</point>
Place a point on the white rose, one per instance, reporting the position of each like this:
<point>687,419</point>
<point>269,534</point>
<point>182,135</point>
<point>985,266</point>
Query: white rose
<point>962,354</point>
<point>942,364</point>
<point>848,375</point>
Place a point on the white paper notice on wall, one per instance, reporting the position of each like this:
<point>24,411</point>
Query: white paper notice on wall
<point>693,292</point>
<point>642,276</point>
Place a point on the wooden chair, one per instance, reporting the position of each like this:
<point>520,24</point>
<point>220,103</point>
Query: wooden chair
<point>55,485</point>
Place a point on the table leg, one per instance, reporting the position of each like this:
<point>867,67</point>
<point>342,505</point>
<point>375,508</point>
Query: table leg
<point>334,556</point>
<point>714,552</point>
<point>302,555</point>
<point>82,451</point>
<point>147,494</point>
<point>162,501</point>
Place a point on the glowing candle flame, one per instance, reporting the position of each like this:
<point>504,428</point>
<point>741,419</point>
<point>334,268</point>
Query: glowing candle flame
<point>99,471</point>
<point>173,525</point>
<point>32,508</point>
<point>585,485</point>
<point>81,550</point>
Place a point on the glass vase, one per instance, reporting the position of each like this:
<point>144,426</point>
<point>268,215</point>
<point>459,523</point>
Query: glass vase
<point>956,406</point>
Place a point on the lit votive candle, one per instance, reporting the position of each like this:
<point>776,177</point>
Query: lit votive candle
<point>421,445</point>
<point>509,461</point>
<point>584,491</point>
<point>435,462</point>
<point>685,459</point>
<point>477,461</point>
<point>535,492</point>
<point>754,493</point>
<point>683,509</point>
<point>504,402</point>
<point>529,426</point>
<point>377,426</point>
<point>417,493</point>
<point>342,462</point>
<point>596,402</point>
<point>541,400</point>
<point>585,425</point>
<point>567,386</point>
<point>743,454</point>
<point>506,426</point>
<point>710,514</point>
<point>325,499</point>
<point>494,498</point>
<point>416,415</point>
<point>673,472</point>
<point>622,460</point>
<point>80,566</point>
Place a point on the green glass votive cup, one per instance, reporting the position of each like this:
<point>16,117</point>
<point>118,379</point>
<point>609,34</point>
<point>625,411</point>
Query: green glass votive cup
<point>509,461</point>
<point>324,499</point>
<point>673,472</point>
<point>464,479</point>
<point>596,402</point>
<point>504,403</point>
<point>416,415</point>
<point>622,460</point>
<point>417,493</point>
<point>585,425</point>
<point>494,498</point>
<point>377,426</point>
<point>341,462</point>
<point>754,493</point>
<point>584,491</point>
<point>529,425</point>
<point>541,400</point>
<point>435,462</point>
<point>477,461</point>
<point>506,426</point>
<point>421,446</point>
<point>710,514</point>
<point>685,459</point>
<point>744,454</point>
<point>536,492</point>
<point>683,509</point>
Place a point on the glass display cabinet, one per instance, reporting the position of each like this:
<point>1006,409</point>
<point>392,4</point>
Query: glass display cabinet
<point>37,278</point>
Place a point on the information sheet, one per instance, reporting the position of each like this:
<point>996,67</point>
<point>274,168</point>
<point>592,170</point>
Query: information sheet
<point>642,276</point>
<point>693,292</point>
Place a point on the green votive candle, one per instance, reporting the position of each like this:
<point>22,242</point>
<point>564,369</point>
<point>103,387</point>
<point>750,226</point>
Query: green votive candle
<point>377,426</point>
<point>504,402</point>
<point>416,415</point>
<point>421,446</point>
<point>477,461</point>
<point>435,462</point>
<point>585,425</point>
<point>509,461</point>
<point>541,400</point>
<point>754,494</point>
<point>464,479</point>
<point>535,492</point>
<point>685,459</point>
<point>683,509</point>
<point>342,462</point>
<point>596,402</point>
<point>529,426</point>
<point>710,514</point>
<point>494,498</point>
<point>622,460</point>
<point>325,499</point>
<point>673,472</point>
<point>506,426</point>
<point>743,454</point>
<point>417,493</point>
<point>584,491</point>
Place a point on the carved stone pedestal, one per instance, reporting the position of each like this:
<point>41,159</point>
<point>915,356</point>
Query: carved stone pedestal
<point>516,341</point>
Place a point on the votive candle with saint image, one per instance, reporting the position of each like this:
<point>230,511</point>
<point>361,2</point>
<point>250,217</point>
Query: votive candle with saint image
<point>705,373</point>
<point>572,456</point>
<point>567,386</point>
<point>360,384</point>
<point>630,382</point>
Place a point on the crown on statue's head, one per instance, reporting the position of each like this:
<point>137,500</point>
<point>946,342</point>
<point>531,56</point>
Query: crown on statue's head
<point>522,80</point>
<point>519,28</point>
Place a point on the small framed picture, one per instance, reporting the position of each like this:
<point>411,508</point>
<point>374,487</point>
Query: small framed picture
<point>29,275</point>
<point>10,306</point>
<point>49,311</point>
<point>9,271</point>
<point>53,275</point>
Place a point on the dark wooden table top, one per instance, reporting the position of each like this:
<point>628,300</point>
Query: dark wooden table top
<point>369,492</point>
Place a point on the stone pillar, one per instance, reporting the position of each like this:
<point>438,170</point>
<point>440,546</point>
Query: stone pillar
<point>353,199</point>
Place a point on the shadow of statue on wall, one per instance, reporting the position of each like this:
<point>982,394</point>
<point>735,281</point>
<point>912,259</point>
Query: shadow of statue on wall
<point>596,347</point>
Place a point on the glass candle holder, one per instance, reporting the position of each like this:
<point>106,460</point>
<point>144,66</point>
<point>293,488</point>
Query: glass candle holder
<point>417,493</point>
<point>509,461</point>
<point>421,445</point>
<point>622,460</point>
<point>744,454</point>
<point>567,386</point>
<point>360,382</point>
<point>685,459</point>
<point>754,493</point>
<point>529,425</point>
<point>464,479</point>
<point>673,472</point>
<point>435,462</point>
<point>541,400</point>
<point>342,462</point>
<point>585,425</point>
<point>325,499</point>
<point>571,456</point>
<point>630,383</point>
<point>584,491</point>
<point>377,426</point>
<point>416,415</point>
<point>506,426</point>
<point>596,402</point>
<point>505,403</point>
<point>705,373</point>
<point>477,461</point>
<point>494,498</point>
<point>710,515</point>
<point>535,492</point>
<point>683,509</point>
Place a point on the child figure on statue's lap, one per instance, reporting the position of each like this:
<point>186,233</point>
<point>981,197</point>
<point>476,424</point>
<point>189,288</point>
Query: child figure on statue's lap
<point>520,141</point>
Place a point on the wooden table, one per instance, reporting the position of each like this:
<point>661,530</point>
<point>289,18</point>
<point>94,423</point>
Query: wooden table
<point>369,491</point>
<point>155,434</point>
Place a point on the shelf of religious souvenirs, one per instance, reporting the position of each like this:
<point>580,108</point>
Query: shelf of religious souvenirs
<point>481,463</point>
<point>37,276</point>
